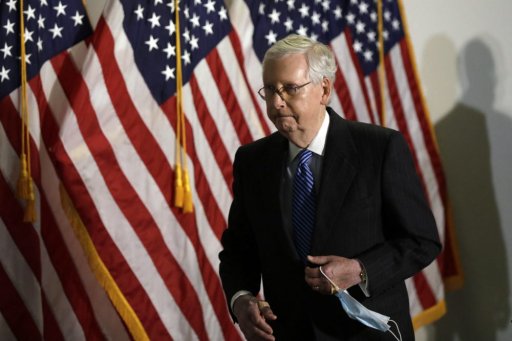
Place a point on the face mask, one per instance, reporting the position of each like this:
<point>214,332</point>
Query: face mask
<point>359,312</point>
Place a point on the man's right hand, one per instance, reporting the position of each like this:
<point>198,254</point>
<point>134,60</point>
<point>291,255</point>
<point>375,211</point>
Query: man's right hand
<point>252,315</point>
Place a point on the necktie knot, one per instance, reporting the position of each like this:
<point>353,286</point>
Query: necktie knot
<point>304,156</point>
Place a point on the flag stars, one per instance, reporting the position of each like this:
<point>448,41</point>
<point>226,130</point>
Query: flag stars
<point>28,35</point>
<point>194,42</point>
<point>208,28</point>
<point>223,15</point>
<point>325,5</point>
<point>261,9</point>
<point>368,55</point>
<point>363,7</point>
<point>303,31</point>
<point>154,20</point>
<point>61,9</point>
<point>387,15</point>
<point>56,31</point>
<point>152,43</point>
<point>315,18</point>
<point>351,18</point>
<point>360,27</point>
<point>358,46</point>
<point>6,50</point>
<point>27,58</point>
<point>171,27</point>
<point>170,50</point>
<point>168,72</point>
<point>325,25</point>
<point>30,13</point>
<point>12,5</point>
<point>9,27</point>
<point>195,20</point>
<point>371,36</point>
<point>271,37</point>
<point>78,19</point>
<point>4,74</point>
<point>40,21</point>
<point>186,57</point>
<point>337,12</point>
<point>288,24</point>
<point>210,6</point>
<point>39,44</point>
<point>304,11</point>
<point>171,6</point>
<point>274,16</point>
<point>396,24</point>
<point>373,16</point>
<point>139,12</point>
<point>186,35</point>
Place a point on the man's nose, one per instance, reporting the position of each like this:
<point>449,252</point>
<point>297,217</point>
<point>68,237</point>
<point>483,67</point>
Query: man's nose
<point>277,100</point>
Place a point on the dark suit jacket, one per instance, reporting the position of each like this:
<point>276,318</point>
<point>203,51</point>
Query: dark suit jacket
<point>370,206</point>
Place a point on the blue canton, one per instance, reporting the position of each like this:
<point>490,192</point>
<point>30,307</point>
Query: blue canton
<point>151,30</point>
<point>50,27</point>
<point>324,20</point>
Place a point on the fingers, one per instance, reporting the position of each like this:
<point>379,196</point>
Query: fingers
<point>319,260</point>
<point>252,318</point>
<point>265,310</point>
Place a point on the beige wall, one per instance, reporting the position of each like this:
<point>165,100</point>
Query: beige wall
<point>464,56</point>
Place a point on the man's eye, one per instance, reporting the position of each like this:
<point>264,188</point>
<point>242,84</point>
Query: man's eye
<point>291,89</point>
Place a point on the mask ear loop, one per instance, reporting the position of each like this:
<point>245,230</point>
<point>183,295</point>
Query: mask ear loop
<point>337,288</point>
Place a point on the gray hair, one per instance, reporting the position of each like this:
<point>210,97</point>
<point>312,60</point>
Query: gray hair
<point>318,56</point>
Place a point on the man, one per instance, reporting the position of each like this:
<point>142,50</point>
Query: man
<point>326,194</point>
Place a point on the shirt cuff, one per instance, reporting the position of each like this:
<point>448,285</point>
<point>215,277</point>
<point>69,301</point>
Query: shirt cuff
<point>364,280</point>
<point>236,296</point>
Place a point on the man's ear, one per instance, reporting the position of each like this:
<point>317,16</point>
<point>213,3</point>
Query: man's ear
<point>326,88</point>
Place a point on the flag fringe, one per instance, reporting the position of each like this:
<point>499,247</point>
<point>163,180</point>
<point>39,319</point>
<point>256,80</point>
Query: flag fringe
<point>429,315</point>
<point>100,270</point>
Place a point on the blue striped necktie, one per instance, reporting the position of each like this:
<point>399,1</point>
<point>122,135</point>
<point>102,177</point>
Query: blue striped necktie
<point>303,205</point>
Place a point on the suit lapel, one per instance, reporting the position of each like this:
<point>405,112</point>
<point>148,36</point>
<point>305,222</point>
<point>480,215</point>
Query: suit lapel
<point>338,171</point>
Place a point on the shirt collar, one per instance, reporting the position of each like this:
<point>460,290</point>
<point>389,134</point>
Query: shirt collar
<point>317,145</point>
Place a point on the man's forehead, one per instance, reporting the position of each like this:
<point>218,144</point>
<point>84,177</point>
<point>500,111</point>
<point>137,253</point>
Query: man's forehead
<point>289,68</point>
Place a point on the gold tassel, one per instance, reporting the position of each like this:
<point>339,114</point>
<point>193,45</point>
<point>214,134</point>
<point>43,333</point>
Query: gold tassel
<point>188,205</point>
<point>178,187</point>
<point>23,180</point>
<point>30,211</point>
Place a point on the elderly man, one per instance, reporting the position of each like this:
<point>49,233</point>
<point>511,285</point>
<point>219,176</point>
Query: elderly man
<point>321,206</point>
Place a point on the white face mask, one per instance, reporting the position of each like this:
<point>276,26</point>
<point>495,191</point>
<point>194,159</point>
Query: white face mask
<point>359,312</point>
<point>356,311</point>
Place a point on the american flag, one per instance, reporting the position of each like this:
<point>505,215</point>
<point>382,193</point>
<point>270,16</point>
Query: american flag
<point>48,291</point>
<point>103,156</point>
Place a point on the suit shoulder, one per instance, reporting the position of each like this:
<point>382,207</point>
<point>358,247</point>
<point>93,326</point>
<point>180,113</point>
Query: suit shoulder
<point>258,149</point>
<point>367,133</point>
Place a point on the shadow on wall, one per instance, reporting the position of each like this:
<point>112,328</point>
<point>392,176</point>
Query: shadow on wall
<point>481,307</point>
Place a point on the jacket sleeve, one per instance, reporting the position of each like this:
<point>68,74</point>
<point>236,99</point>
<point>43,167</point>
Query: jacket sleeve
<point>239,264</point>
<point>410,232</point>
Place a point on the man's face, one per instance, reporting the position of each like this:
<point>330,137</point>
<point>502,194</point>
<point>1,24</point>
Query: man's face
<point>300,116</point>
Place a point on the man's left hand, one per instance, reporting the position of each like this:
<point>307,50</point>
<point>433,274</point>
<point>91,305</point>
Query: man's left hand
<point>344,272</point>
